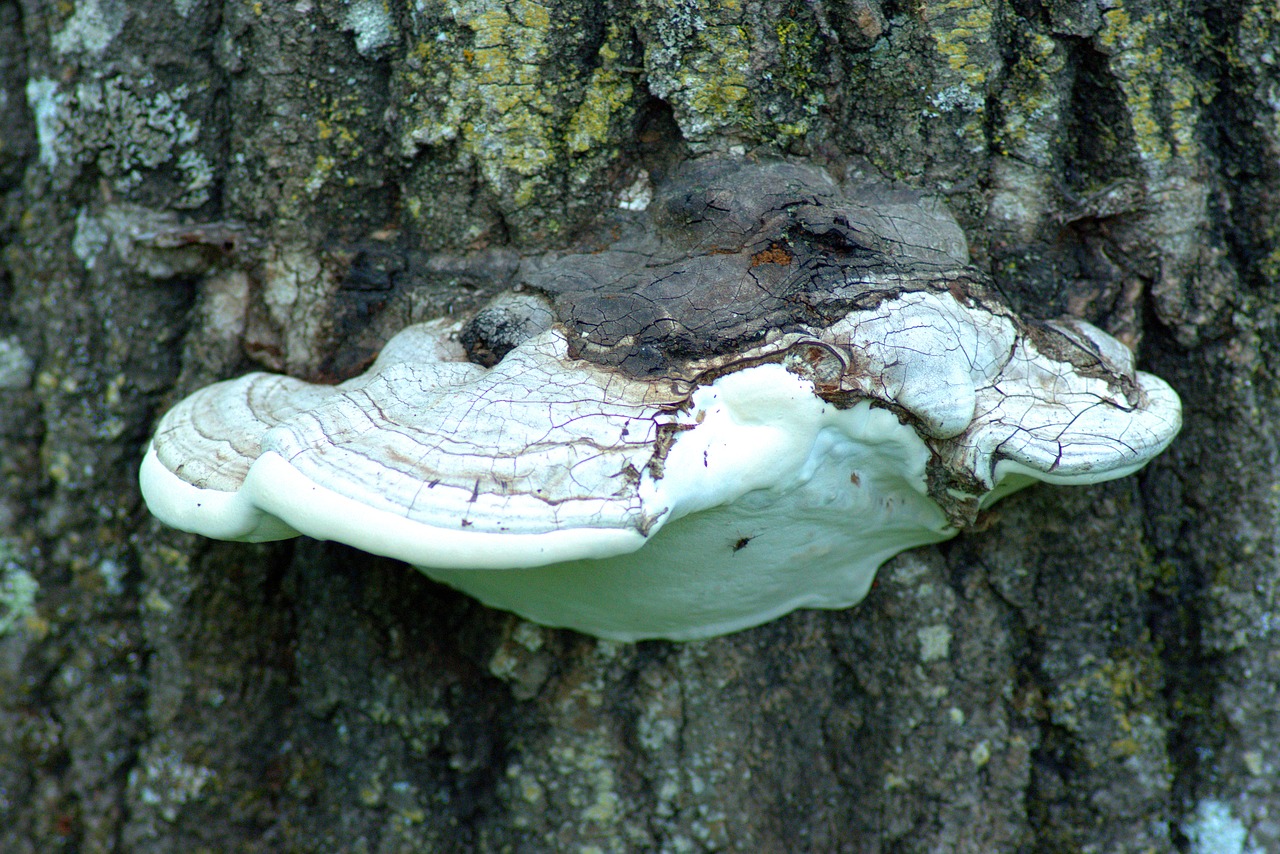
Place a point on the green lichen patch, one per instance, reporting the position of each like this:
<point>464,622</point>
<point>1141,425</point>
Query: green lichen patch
<point>609,96</point>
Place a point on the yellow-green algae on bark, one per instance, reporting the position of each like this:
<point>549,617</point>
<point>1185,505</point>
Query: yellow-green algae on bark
<point>1028,129</point>
<point>962,33</point>
<point>494,80</point>
<point>698,59</point>
<point>338,140</point>
<point>1159,94</point>
<point>729,73</point>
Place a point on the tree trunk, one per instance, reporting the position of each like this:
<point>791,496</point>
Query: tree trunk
<point>193,189</point>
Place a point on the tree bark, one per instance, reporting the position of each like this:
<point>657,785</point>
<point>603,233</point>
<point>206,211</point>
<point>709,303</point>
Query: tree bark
<point>193,189</point>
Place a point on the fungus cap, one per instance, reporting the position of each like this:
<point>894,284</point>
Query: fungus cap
<point>674,442</point>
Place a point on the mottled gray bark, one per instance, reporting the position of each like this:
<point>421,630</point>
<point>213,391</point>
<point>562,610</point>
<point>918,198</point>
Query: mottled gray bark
<point>193,189</point>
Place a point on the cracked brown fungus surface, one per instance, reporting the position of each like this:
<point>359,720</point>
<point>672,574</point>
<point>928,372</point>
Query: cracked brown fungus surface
<point>744,406</point>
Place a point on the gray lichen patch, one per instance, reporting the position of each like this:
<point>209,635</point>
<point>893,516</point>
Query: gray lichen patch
<point>372,24</point>
<point>126,128</point>
<point>18,590</point>
<point>16,366</point>
<point>92,26</point>
<point>166,783</point>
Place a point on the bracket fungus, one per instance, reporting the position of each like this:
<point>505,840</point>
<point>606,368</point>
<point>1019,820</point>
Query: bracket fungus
<point>745,405</point>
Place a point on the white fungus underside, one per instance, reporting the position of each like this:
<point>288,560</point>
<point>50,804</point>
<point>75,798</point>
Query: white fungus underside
<point>860,479</point>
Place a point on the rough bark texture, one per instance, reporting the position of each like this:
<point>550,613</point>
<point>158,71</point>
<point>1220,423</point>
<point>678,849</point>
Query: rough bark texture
<point>194,188</point>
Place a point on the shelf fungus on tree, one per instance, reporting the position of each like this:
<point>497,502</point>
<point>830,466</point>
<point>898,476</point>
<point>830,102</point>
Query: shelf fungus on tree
<point>773,384</point>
